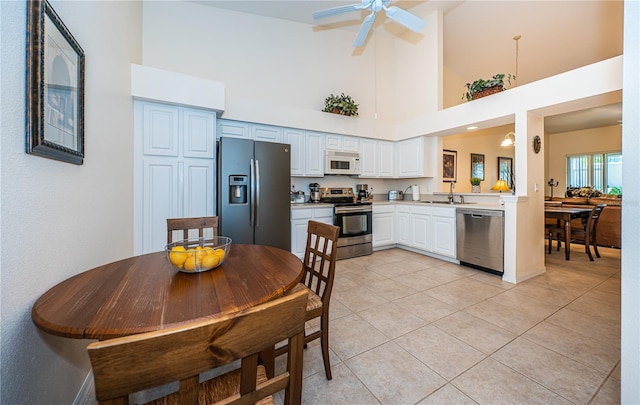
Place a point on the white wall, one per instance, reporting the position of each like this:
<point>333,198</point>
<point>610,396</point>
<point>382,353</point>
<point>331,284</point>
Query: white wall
<point>275,71</point>
<point>630,367</point>
<point>595,140</point>
<point>60,219</point>
<point>485,142</point>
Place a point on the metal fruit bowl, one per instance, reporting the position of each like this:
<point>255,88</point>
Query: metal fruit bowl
<point>197,255</point>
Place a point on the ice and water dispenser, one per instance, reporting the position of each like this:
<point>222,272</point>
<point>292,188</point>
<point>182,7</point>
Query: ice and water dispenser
<point>238,189</point>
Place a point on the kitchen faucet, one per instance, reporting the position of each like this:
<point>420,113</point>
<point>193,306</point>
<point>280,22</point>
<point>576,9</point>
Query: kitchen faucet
<point>451,186</point>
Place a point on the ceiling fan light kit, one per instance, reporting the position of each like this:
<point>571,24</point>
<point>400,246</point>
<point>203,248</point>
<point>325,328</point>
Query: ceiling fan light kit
<point>398,15</point>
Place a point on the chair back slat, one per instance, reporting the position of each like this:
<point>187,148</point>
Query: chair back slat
<point>201,224</point>
<point>139,362</point>
<point>320,257</point>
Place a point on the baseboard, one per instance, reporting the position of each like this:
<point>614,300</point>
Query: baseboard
<point>87,394</point>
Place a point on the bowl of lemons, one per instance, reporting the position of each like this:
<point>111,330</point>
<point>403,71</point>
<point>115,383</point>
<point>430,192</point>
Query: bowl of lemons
<point>197,255</point>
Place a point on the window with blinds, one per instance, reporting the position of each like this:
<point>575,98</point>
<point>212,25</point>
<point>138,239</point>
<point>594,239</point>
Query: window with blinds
<point>602,171</point>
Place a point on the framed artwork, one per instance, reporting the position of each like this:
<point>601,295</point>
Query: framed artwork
<point>449,165</point>
<point>505,170</point>
<point>477,165</point>
<point>55,87</point>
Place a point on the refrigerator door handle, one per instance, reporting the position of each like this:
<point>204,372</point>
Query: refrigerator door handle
<point>257,206</point>
<point>253,193</point>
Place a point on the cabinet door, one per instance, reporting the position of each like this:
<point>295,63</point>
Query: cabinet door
<point>197,187</point>
<point>266,133</point>
<point>235,129</point>
<point>404,233</point>
<point>299,224</point>
<point>159,201</point>
<point>296,139</point>
<point>410,157</point>
<point>368,157</point>
<point>386,159</point>
<point>333,142</point>
<point>421,231</point>
<point>198,133</point>
<point>383,229</point>
<point>350,144</point>
<point>314,163</point>
<point>444,236</point>
<point>160,129</point>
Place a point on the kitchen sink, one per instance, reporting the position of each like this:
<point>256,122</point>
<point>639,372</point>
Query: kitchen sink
<point>446,202</point>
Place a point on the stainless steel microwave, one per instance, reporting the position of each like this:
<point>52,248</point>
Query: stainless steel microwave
<point>342,163</point>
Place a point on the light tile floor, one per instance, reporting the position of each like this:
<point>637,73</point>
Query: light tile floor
<point>409,329</point>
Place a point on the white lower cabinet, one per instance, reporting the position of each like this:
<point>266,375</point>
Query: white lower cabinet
<point>299,223</point>
<point>421,227</point>
<point>443,231</point>
<point>384,220</point>
<point>426,228</point>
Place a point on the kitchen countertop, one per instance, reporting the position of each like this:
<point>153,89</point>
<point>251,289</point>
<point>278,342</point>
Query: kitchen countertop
<point>311,205</point>
<point>479,206</point>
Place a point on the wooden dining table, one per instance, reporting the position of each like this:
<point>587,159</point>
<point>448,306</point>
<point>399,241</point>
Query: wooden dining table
<point>146,293</point>
<point>566,215</point>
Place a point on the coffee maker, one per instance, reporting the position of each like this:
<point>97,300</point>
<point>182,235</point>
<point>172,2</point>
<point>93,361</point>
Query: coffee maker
<point>314,195</point>
<point>363,192</point>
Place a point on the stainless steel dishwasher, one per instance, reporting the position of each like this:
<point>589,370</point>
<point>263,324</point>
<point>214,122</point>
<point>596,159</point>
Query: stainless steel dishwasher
<point>480,239</point>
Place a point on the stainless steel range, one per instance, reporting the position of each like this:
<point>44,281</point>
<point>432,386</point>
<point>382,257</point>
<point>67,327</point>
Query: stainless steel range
<point>353,218</point>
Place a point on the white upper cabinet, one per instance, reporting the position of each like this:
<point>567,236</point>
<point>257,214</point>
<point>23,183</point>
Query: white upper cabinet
<point>198,134</point>
<point>386,159</point>
<point>342,143</point>
<point>314,162</point>
<point>369,158</point>
<point>296,138</point>
<point>235,129</point>
<point>350,144</point>
<point>333,142</point>
<point>416,157</point>
<point>266,133</point>
<point>160,126</point>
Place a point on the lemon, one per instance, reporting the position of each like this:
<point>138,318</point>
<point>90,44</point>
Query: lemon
<point>219,253</point>
<point>210,261</point>
<point>177,256</point>
<point>190,263</point>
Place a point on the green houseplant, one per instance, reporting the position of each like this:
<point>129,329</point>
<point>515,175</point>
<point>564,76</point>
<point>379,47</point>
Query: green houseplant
<point>475,184</point>
<point>342,104</point>
<point>482,87</point>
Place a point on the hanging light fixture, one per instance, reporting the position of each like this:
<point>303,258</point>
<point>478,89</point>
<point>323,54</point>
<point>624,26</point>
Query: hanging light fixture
<point>509,139</point>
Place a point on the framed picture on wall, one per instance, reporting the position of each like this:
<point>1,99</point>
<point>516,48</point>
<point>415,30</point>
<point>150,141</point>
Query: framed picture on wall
<point>477,166</point>
<point>449,165</point>
<point>505,170</point>
<point>55,87</point>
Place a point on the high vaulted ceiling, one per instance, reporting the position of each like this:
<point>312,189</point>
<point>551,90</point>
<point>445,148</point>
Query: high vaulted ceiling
<point>556,36</point>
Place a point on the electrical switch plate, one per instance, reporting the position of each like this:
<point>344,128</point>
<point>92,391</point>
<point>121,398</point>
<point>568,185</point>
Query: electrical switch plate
<point>535,187</point>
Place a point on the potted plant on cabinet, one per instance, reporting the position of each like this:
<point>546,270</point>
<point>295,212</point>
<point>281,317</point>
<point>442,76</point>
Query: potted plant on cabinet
<point>342,104</point>
<point>481,87</point>
<point>475,184</point>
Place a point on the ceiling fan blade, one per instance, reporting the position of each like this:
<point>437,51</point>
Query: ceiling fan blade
<point>364,30</point>
<point>405,18</point>
<point>336,10</point>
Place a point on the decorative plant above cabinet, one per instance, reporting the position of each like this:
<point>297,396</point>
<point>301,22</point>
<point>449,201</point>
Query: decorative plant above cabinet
<point>481,87</point>
<point>342,104</point>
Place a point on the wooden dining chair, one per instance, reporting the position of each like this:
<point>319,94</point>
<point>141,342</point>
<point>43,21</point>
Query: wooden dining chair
<point>187,224</point>
<point>139,362</point>
<point>587,232</point>
<point>320,267</point>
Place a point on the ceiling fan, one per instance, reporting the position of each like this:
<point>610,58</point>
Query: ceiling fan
<point>399,15</point>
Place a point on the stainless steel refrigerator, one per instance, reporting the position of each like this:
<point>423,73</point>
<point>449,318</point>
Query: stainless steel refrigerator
<point>253,201</point>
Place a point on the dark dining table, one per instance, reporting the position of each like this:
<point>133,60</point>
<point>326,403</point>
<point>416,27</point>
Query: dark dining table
<point>566,215</point>
<point>146,293</point>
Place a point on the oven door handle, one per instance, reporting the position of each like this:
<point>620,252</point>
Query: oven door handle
<point>344,210</point>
